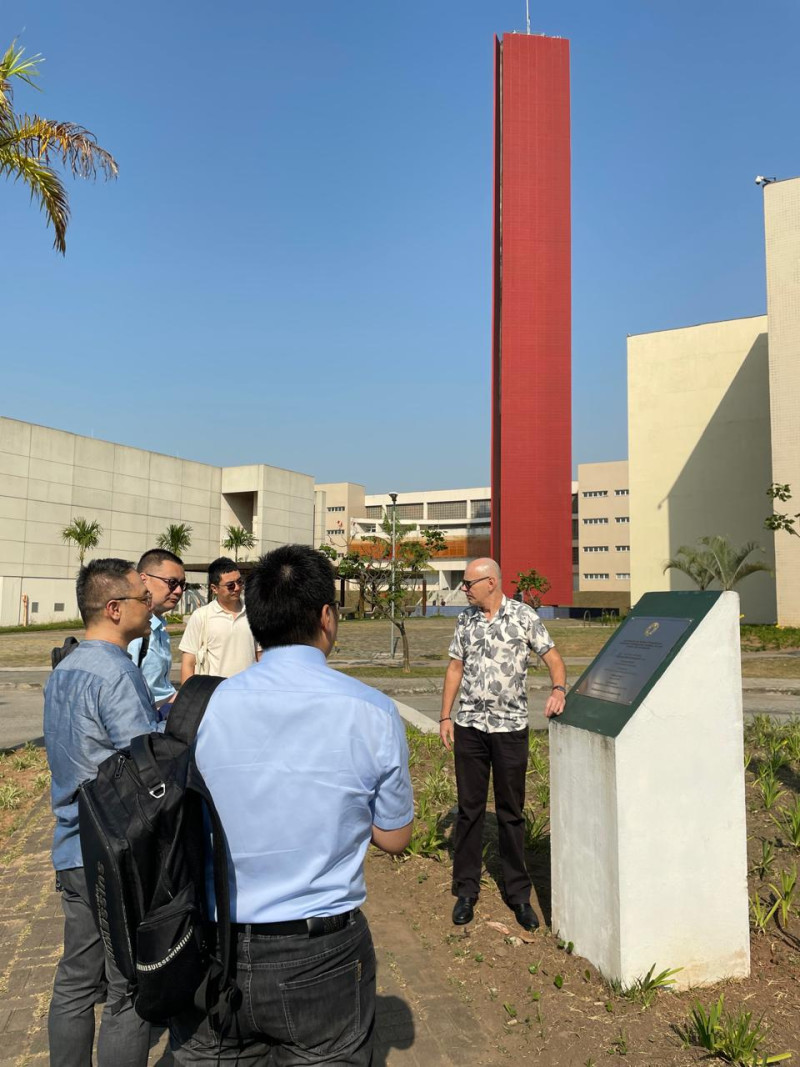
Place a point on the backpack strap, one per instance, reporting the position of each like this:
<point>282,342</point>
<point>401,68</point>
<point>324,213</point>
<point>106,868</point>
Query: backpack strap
<point>189,706</point>
<point>143,650</point>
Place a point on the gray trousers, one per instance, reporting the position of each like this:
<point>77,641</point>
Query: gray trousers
<point>83,977</point>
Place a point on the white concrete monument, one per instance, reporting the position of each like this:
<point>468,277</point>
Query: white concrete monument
<point>648,834</point>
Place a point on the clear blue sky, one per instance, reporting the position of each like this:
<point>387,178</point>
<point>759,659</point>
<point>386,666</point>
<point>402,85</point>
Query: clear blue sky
<point>294,266</point>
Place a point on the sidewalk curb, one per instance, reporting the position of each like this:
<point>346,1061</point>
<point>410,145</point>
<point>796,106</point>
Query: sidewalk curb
<point>417,719</point>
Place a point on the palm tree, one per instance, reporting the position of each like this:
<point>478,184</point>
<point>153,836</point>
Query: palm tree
<point>237,539</point>
<point>176,538</point>
<point>28,144</point>
<point>84,534</point>
<point>716,561</point>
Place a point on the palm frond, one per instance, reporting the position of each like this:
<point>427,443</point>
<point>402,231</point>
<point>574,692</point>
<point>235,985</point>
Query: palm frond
<point>44,185</point>
<point>76,146</point>
<point>12,65</point>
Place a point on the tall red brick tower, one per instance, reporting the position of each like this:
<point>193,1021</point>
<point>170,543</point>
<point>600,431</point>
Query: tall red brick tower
<point>531,343</point>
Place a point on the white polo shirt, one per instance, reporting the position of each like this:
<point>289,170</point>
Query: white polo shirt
<point>228,641</point>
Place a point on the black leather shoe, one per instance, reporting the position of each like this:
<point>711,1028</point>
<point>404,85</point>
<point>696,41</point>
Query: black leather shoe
<point>463,911</point>
<point>525,916</point>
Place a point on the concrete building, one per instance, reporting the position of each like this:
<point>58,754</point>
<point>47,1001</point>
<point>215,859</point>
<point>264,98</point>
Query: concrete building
<point>531,321</point>
<point>713,420</point>
<point>49,477</point>
<point>604,544</point>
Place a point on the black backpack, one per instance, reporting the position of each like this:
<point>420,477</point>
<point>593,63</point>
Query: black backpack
<point>142,834</point>
<point>71,643</point>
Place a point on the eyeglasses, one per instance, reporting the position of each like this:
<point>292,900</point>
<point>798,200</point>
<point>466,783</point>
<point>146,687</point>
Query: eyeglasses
<point>171,583</point>
<point>146,598</point>
<point>474,581</point>
<point>230,586</point>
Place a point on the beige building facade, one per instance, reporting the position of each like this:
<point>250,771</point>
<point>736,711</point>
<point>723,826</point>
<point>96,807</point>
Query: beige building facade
<point>49,477</point>
<point>604,545</point>
<point>782,226</point>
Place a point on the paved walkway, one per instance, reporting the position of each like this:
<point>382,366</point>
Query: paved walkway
<point>420,1021</point>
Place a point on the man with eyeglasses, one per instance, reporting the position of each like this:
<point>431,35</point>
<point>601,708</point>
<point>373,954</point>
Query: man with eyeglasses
<point>163,575</point>
<point>489,732</point>
<point>95,702</point>
<point>218,639</point>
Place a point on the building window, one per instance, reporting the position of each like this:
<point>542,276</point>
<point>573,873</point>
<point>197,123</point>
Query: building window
<point>34,607</point>
<point>574,503</point>
<point>595,492</point>
<point>595,548</point>
<point>619,518</point>
<point>623,576</point>
<point>374,511</point>
<point>408,511</point>
<point>447,509</point>
<point>481,509</point>
<point>622,492</point>
<point>574,529</point>
<point>623,548</point>
<point>337,508</point>
<point>596,577</point>
<point>56,607</point>
<point>335,533</point>
<point>596,522</point>
<point>575,556</point>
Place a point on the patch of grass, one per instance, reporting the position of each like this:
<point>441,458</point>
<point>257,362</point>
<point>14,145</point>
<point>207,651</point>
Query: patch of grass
<point>11,796</point>
<point>789,823</point>
<point>730,1036</point>
<point>37,627</point>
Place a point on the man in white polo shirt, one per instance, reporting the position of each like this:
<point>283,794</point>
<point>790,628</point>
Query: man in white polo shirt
<point>218,639</point>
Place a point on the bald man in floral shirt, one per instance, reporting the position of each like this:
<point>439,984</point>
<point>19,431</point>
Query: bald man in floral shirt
<point>489,664</point>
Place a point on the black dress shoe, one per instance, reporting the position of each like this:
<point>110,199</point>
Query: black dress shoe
<point>464,910</point>
<point>525,915</point>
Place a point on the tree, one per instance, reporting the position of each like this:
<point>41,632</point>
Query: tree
<point>717,561</point>
<point>531,587</point>
<point>176,538</point>
<point>777,520</point>
<point>30,144</point>
<point>83,534</point>
<point>237,539</point>
<point>380,585</point>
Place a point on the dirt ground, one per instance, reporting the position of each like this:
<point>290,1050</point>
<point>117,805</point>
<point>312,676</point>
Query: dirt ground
<point>531,994</point>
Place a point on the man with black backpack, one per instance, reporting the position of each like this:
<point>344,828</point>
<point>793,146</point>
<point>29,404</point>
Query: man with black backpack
<point>305,767</point>
<point>96,701</point>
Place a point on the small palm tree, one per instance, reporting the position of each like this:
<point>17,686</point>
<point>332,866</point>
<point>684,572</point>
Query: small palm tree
<point>237,539</point>
<point>84,534</point>
<point>28,144</point>
<point>717,560</point>
<point>176,538</point>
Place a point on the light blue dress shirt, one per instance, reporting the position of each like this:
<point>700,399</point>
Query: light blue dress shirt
<point>301,761</point>
<point>157,663</point>
<point>95,701</point>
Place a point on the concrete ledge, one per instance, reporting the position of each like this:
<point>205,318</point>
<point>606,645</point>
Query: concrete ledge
<point>417,719</point>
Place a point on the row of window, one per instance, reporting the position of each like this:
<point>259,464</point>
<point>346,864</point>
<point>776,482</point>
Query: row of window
<point>604,522</point>
<point>437,509</point>
<point>601,577</point>
<point>35,607</point>
<point>606,548</point>
<point>337,507</point>
<point>604,492</point>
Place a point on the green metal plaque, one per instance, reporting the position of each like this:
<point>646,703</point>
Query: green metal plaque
<point>636,655</point>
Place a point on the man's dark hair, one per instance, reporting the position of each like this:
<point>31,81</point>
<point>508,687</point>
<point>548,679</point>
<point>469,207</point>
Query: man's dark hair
<point>154,557</point>
<point>98,582</point>
<point>286,592</point>
<point>221,566</point>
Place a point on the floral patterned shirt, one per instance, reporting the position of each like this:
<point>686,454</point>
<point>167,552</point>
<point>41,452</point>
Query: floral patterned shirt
<point>495,657</point>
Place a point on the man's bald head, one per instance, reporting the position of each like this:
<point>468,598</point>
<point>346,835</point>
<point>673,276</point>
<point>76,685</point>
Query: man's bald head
<point>484,567</point>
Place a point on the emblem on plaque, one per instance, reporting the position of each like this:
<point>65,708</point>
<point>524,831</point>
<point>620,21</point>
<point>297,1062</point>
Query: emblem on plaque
<point>651,629</point>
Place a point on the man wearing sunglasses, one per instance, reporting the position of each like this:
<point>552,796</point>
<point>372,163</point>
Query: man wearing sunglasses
<point>489,664</point>
<point>163,575</point>
<point>218,639</point>
<point>95,702</point>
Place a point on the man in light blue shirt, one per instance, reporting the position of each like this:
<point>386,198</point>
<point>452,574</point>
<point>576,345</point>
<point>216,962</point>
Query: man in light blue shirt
<point>306,767</point>
<point>95,701</point>
<point>163,574</point>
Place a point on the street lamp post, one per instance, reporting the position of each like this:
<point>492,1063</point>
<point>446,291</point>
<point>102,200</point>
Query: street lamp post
<point>392,642</point>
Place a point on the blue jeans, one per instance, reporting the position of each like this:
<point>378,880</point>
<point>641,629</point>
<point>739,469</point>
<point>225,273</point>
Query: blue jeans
<point>305,1000</point>
<point>84,976</point>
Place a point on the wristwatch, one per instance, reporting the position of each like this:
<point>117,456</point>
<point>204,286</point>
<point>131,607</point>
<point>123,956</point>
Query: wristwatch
<point>560,688</point>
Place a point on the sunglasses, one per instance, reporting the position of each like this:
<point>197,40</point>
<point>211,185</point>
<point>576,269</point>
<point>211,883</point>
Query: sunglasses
<point>230,586</point>
<point>171,583</point>
<point>474,581</point>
